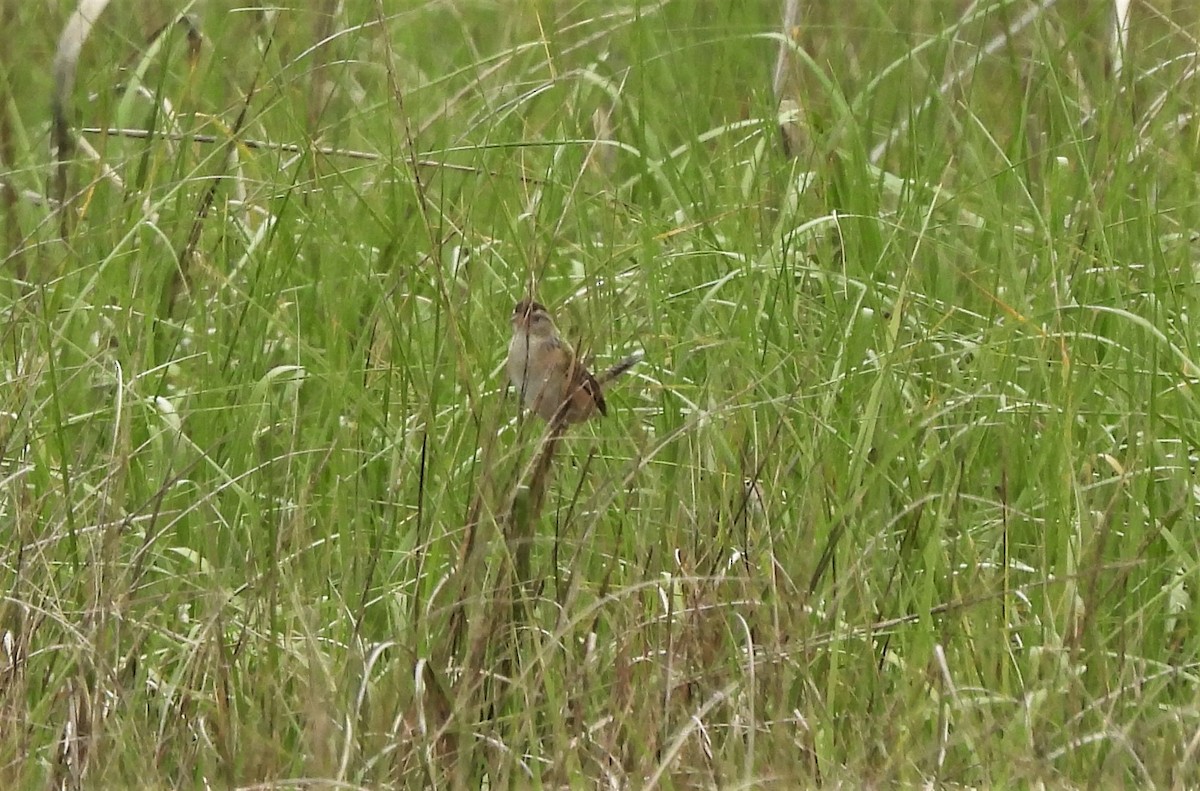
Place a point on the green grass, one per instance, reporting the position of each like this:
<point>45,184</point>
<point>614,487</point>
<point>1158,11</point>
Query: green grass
<point>258,461</point>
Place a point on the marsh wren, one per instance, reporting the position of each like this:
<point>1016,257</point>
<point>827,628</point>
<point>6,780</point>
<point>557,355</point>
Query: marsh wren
<point>544,369</point>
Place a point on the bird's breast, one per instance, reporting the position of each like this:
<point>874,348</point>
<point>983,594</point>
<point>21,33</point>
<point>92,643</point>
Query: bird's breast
<point>531,368</point>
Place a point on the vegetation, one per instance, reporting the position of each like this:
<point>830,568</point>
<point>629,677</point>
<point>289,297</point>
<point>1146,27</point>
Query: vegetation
<point>903,492</point>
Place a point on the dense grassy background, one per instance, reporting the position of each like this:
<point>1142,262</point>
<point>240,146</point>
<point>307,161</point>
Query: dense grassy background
<point>257,459</point>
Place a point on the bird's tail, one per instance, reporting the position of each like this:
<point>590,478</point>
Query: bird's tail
<point>619,368</point>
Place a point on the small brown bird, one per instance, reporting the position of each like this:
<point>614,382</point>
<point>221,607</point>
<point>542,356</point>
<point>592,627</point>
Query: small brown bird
<point>544,369</point>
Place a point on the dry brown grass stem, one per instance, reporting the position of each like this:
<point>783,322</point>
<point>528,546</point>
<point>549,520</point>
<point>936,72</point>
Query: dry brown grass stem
<point>66,60</point>
<point>287,148</point>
